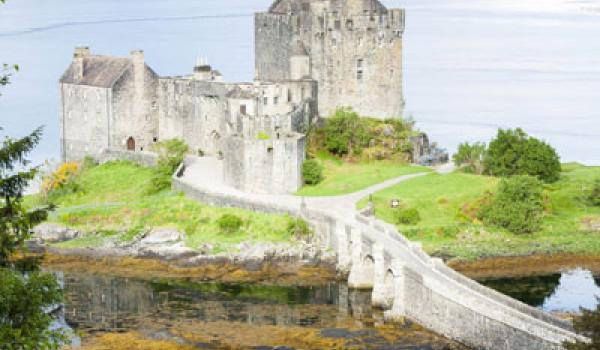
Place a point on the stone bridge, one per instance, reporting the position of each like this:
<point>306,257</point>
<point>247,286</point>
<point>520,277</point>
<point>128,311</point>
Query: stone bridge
<point>405,281</point>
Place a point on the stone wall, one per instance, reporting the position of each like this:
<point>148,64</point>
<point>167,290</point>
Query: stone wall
<point>354,49</point>
<point>143,158</point>
<point>84,121</point>
<point>264,165</point>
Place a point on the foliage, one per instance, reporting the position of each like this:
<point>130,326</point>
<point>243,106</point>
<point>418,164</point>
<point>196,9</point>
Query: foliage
<point>230,223</point>
<point>594,195</point>
<point>61,179</point>
<point>171,154</point>
<point>513,152</point>
<point>518,206</point>
<point>407,216</point>
<point>588,325</point>
<point>469,157</point>
<point>346,133</point>
<point>298,228</point>
<point>24,323</point>
<point>263,136</point>
<point>15,221</point>
<point>312,172</point>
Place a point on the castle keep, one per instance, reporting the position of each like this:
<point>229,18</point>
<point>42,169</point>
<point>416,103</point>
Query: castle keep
<point>312,56</point>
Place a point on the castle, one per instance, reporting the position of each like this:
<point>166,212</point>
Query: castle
<point>312,56</point>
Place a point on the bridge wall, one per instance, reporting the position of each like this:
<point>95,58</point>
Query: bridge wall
<point>420,288</point>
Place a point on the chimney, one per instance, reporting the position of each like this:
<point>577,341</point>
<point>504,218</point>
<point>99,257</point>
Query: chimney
<point>81,52</point>
<point>137,58</point>
<point>203,70</point>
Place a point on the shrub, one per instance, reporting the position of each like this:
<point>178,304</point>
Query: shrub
<point>513,152</point>
<point>170,154</point>
<point>407,216</point>
<point>263,136</point>
<point>517,206</point>
<point>469,157</point>
<point>594,195</point>
<point>298,228</point>
<point>587,325</point>
<point>229,223</point>
<point>312,172</point>
<point>63,180</point>
<point>345,132</point>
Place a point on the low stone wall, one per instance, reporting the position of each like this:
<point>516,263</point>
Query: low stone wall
<point>148,159</point>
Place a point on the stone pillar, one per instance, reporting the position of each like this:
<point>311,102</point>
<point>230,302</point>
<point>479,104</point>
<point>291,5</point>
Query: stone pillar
<point>398,310</point>
<point>378,298</point>
<point>343,251</point>
<point>356,278</point>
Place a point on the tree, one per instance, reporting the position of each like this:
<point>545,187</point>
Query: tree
<point>24,320</point>
<point>513,152</point>
<point>517,206</point>
<point>171,154</point>
<point>588,325</point>
<point>345,132</point>
<point>469,157</point>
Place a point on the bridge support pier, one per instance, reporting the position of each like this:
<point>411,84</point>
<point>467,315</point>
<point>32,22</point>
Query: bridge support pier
<point>398,310</point>
<point>379,297</point>
<point>343,247</point>
<point>359,276</point>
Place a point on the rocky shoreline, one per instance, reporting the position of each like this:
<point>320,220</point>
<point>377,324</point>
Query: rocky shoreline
<point>163,253</point>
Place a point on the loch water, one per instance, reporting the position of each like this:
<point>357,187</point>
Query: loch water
<point>470,66</point>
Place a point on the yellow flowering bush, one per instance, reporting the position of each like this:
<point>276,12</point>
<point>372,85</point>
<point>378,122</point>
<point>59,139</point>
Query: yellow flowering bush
<point>64,175</point>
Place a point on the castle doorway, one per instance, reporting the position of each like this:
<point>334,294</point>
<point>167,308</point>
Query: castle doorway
<point>130,144</point>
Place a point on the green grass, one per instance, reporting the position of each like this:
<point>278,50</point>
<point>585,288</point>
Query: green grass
<point>112,200</point>
<point>445,231</point>
<point>343,177</point>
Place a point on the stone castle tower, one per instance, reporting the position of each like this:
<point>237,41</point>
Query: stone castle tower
<point>352,48</point>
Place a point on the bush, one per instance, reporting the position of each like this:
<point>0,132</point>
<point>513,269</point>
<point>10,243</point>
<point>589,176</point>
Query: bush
<point>345,132</point>
<point>594,195</point>
<point>517,206</point>
<point>62,181</point>
<point>407,216</point>
<point>469,157</point>
<point>312,172</point>
<point>298,228</point>
<point>229,223</point>
<point>513,152</point>
<point>170,155</point>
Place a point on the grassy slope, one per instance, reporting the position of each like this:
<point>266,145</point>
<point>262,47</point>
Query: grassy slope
<point>440,197</point>
<point>343,177</point>
<point>113,200</point>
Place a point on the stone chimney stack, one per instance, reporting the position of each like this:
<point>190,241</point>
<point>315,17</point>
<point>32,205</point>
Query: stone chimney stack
<point>139,66</point>
<point>203,70</point>
<point>81,52</point>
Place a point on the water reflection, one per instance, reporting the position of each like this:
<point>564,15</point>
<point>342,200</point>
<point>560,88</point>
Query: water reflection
<point>565,292</point>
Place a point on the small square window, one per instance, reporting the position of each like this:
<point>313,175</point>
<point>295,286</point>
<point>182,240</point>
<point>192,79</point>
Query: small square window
<point>275,100</point>
<point>265,101</point>
<point>243,109</point>
<point>359,75</point>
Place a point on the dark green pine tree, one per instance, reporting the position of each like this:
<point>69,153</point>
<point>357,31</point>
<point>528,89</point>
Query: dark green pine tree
<point>16,221</point>
<point>587,325</point>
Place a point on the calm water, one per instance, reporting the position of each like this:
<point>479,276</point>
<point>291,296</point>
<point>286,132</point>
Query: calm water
<point>470,65</point>
<point>160,309</point>
<point>565,292</point>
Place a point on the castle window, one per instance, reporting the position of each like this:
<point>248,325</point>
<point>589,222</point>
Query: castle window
<point>289,95</point>
<point>359,63</point>
<point>275,100</point>
<point>333,42</point>
<point>265,101</point>
<point>359,69</point>
<point>338,25</point>
<point>155,139</point>
<point>349,24</point>
<point>243,109</point>
<point>359,75</point>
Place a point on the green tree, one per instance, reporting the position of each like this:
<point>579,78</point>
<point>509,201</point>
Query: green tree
<point>587,325</point>
<point>469,157</point>
<point>513,152</point>
<point>345,132</point>
<point>518,205</point>
<point>24,322</point>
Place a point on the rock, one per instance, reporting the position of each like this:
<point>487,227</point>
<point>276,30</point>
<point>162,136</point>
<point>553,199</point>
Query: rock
<point>52,233</point>
<point>167,252</point>
<point>162,236</point>
<point>388,130</point>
